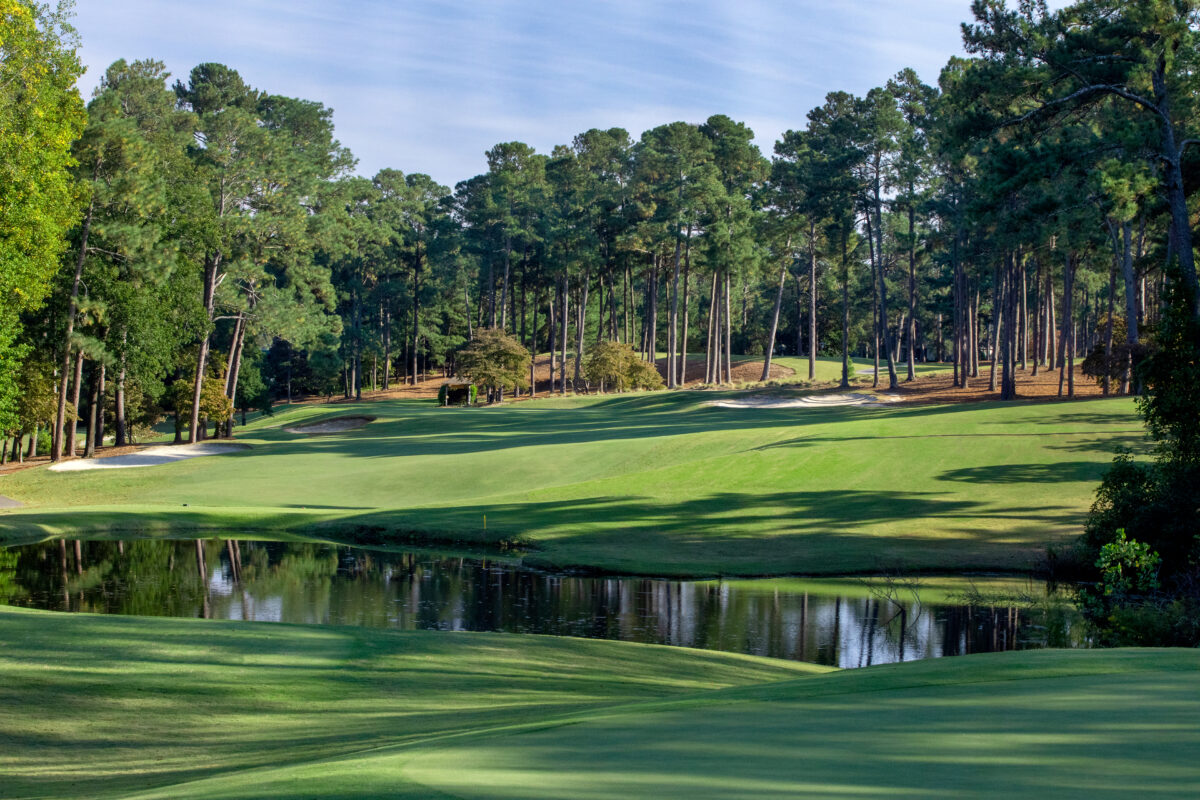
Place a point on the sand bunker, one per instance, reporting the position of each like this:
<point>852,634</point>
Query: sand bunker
<point>150,457</point>
<point>335,425</point>
<point>810,401</point>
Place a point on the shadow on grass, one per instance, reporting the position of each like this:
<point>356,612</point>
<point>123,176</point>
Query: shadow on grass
<point>742,533</point>
<point>199,699</point>
<point>411,429</point>
<point>1078,736</point>
<point>1063,472</point>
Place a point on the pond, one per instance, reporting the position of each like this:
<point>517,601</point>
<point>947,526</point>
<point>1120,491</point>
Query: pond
<point>837,622</point>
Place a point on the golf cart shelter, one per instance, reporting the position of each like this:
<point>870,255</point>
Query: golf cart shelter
<point>456,392</point>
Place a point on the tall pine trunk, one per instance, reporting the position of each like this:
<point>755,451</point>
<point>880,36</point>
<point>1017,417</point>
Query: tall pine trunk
<point>1052,360</point>
<point>975,325</point>
<point>812,302</point>
<point>73,425</point>
<point>673,333</point>
<point>212,265</point>
<point>874,301</point>
<point>1131,309</point>
<point>1039,332</point>
<point>910,329</point>
<point>1066,337</point>
<point>1108,325</point>
<point>845,384</point>
<point>683,331</point>
<point>96,421</point>
<point>416,309</point>
<point>728,333</point>
<point>386,323</point>
<point>553,318</point>
<point>119,423</point>
<point>886,333</point>
<point>766,371</point>
<point>581,325</point>
<point>710,375</point>
<point>72,310</point>
<point>995,327</point>
<point>234,368</point>
<point>533,345</point>
<point>504,284</point>
<point>566,293</point>
<point>1023,313</point>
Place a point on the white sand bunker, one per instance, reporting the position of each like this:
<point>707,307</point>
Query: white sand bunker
<point>150,457</point>
<point>335,425</point>
<point>810,401</point>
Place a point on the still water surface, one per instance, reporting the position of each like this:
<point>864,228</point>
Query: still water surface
<point>844,623</point>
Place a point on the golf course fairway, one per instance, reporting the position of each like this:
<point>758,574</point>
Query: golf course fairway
<point>130,707</point>
<point>659,483</point>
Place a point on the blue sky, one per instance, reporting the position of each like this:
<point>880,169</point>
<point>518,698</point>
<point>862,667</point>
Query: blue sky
<point>429,85</point>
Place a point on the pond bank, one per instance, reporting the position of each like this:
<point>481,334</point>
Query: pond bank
<point>835,622</point>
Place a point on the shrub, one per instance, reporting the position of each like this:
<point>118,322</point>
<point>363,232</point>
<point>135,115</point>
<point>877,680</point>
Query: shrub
<point>1128,567</point>
<point>1141,543</point>
<point>614,365</point>
<point>496,360</point>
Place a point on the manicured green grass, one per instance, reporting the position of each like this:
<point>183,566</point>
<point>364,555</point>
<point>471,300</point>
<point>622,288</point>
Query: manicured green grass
<point>128,707</point>
<point>829,370</point>
<point>1058,724</point>
<point>647,483</point>
<point>105,707</point>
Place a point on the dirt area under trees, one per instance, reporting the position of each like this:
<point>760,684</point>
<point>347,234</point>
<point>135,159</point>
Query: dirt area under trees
<point>937,388</point>
<point>940,388</point>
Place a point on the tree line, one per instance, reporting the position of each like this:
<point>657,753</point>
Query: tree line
<point>195,246</point>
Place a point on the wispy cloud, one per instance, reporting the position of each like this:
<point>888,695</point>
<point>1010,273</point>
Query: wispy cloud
<point>429,85</point>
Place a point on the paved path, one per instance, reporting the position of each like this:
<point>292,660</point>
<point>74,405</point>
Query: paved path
<point>8,502</point>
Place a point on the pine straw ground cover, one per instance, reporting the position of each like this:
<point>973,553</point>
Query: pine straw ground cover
<point>129,707</point>
<point>655,483</point>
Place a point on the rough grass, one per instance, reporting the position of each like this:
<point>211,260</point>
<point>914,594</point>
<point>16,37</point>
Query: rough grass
<point>108,707</point>
<point>647,483</point>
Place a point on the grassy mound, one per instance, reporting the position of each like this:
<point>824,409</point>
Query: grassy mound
<point>1042,724</point>
<point>652,483</point>
<point>108,707</point>
<point>331,425</point>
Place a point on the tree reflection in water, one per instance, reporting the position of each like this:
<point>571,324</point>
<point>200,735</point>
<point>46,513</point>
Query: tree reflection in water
<point>324,584</point>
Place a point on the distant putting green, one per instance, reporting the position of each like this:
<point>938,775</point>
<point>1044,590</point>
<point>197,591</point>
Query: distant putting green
<point>829,370</point>
<point>128,707</point>
<point>649,483</point>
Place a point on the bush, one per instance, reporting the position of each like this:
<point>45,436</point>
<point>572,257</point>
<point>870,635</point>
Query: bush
<point>1142,540</point>
<point>613,365</point>
<point>496,360</point>
<point>1158,622</point>
<point>644,375</point>
<point>1127,568</point>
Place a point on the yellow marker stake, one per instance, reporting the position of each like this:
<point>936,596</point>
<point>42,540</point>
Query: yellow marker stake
<point>485,522</point>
